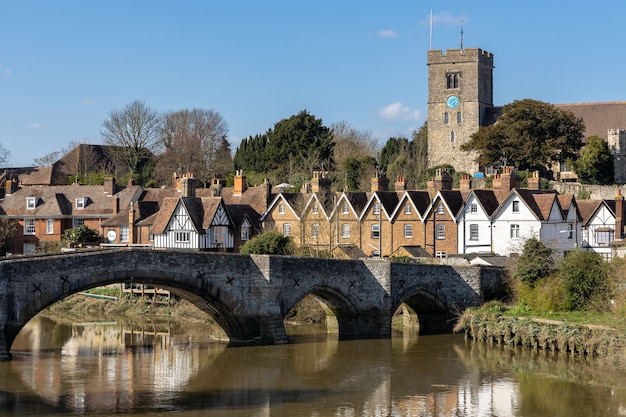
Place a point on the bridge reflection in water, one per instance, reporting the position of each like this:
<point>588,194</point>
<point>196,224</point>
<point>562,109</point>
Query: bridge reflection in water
<point>406,376</point>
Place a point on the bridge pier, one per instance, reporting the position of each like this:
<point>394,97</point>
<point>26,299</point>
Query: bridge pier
<point>5,354</point>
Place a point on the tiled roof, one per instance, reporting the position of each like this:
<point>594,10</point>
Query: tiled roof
<point>599,117</point>
<point>587,208</point>
<point>421,200</point>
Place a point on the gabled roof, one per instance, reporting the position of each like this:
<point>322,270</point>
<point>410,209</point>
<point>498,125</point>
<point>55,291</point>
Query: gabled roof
<point>201,212</point>
<point>451,199</point>
<point>292,200</point>
<point>355,200</point>
<point>388,202</point>
<point>539,202</point>
<point>487,199</point>
<point>421,200</point>
<point>589,208</point>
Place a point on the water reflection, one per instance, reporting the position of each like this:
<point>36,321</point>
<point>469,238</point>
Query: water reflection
<point>111,368</point>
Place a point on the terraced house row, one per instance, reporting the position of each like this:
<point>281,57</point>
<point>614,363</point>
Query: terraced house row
<point>436,222</point>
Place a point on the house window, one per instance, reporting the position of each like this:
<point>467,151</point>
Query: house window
<point>49,226</point>
<point>219,234</point>
<point>124,234</point>
<point>345,231</point>
<point>473,232</point>
<point>315,230</point>
<point>440,254</point>
<point>31,203</point>
<point>245,233</point>
<point>473,208</point>
<point>179,236</point>
<point>78,221</point>
<point>446,118</point>
<point>375,231</point>
<point>514,231</point>
<point>29,248</point>
<point>604,235</point>
<point>452,136</point>
<point>29,226</point>
<point>570,231</point>
<point>315,209</point>
<point>286,229</point>
<point>440,209</point>
<point>441,231</point>
<point>408,231</point>
<point>459,117</point>
<point>281,208</point>
<point>515,206</point>
<point>376,208</point>
<point>345,209</point>
<point>80,203</point>
<point>452,80</point>
<point>407,209</point>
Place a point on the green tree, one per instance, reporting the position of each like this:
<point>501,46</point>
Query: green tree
<point>595,165</point>
<point>530,134</point>
<point>79,234</point>
<point>407,158</point>
<point>586,277</point>
<point>268,243</point>
<point>535,263</point>
<point>7,231</point>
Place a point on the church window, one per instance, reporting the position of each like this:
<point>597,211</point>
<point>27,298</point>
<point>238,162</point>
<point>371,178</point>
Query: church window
<point>452,136</point>
<point>459,117</point>
<point>452,80</point>
<point>446,118</point>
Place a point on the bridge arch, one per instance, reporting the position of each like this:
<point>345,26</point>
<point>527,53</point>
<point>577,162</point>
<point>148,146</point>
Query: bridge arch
<point>425,312</point>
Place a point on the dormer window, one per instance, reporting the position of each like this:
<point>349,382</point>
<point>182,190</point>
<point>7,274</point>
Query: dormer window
<point>81,202</point>
<point>31,203</point>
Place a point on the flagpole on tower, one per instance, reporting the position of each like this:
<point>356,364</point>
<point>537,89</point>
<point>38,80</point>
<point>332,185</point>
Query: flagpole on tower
<point>461,35</point>
<point>431,30</point>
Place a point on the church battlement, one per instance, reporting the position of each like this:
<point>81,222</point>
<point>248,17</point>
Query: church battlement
<point>471,54</point>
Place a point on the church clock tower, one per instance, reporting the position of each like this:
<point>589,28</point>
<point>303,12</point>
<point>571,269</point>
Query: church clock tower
<point>460,91</point>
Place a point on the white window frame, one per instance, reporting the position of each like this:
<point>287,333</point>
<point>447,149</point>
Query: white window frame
<point>281,208</point>
<point>376,208</point>
<point>81,202</point>
<point>473,232</point>
<point>345,231</point>
<point>315,209</point>
<point>407,209</point>
<point>315,230</point>
<point>375,231</point>
<point>31,203</point>
<point>441,254</point>
<point>408,231</point>
<point>124,234</point>
<point>473,208</point>
<point>514,231</point>
<point>77,221</point>
<point>180,236</point>
<point>441,231</point>
<point>245,233</point>
<point>515,206</point>
<point>345,209</point>
<point>441,209</point>
<point>30,226</point>
<point>286,229</point>
<point>50,226</point>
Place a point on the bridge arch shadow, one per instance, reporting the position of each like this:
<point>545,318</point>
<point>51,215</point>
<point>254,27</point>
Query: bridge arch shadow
<point>423,313</point>
<point>341,315</point>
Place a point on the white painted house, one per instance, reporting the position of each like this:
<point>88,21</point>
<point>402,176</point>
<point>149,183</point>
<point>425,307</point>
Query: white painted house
<point>474,222</point>
<point>598,226</point>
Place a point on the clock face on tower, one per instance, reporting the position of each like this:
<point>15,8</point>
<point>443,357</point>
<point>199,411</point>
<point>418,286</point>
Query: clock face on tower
<point>452,102</point>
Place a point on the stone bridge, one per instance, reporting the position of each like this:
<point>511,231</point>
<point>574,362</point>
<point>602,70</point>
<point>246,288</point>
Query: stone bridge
<point>250,295</point>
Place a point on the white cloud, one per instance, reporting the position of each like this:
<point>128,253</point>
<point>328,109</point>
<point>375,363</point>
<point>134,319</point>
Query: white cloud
<point>386,33</point>
<point>35,125</point>
<point>447,19</point>
<point>399,112</point>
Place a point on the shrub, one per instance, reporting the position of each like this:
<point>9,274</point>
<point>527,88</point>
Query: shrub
<point>535,262</point>
<point>268,243</point>
<point>79,234</point>
<point>587,279</point>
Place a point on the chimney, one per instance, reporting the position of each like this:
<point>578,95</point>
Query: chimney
<point>320,183</point>
<point>240,185</point>
<point>306,188</point>
<point>217,184</point>
<point>176,182</point>
<point>399,186</point>
<point>534,181</point>
<point>188,186</point>
<point>379,182</point>
<point>109,185</point>
<point>442,180</point>
<point>10,187</point>
<point>619,215</point>
<point>131,182</point>
<point>116,205</point>
<point>430,187</point>
<point>131,224</point>
<point>509,179</point>
<point>465,183</point>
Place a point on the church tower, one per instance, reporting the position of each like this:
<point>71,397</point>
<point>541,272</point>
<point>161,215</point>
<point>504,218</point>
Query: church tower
<point>460,91</point>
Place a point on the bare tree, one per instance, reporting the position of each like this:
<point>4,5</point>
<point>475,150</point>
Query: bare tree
<point>350,142</point>
<point>79,158</point>
<point>194,141</point>
<point>134,131</point>
<point>47,160</point>
<point>4,155</point>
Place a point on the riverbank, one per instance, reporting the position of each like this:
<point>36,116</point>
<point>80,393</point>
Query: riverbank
<point>549,335</point>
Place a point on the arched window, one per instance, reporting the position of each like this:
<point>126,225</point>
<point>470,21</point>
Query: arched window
<point>446,118</point>
<point>452,136</point>
<point>459,117</point>
<point>286,229</point>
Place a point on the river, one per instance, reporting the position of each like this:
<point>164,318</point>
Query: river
<point>112,368</point>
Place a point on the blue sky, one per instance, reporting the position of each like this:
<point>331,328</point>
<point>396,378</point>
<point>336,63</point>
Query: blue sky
<point>64,65</point>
